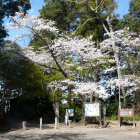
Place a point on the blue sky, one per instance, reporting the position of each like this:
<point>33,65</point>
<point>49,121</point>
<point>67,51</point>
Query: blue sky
<point>36,5</point>
<point>123,6</point>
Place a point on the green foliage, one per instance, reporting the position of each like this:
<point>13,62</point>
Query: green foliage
<point>20,75</point>
<point>32,108</point>
<point>112,109</point>
<point>37,42</point>
<point>78,114</point>
<point>63,12</point>
<point>62,111</point>
<point>90,23</point>
<point>84,71</point>
<point>113,117</point>
<point>132,19</point>
<point>69,15</point>
<point>55,76</point>
<point>73,67</point>
<point>137,117</point>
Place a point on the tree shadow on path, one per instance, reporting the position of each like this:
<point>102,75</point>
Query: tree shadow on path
<point>62,136</point>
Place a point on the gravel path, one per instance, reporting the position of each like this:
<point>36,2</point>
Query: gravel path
<point>66,133</point>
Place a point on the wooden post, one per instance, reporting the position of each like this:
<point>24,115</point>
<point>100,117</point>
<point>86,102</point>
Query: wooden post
<point>57,110</point>
<point>84,120</point>
<point>40,123</point>
<point>24,125</point>
<point>119,118</point>
<point>91,97</point>
<point>104,114</point>
<point>55,122</point>
<point>133,119</point>
<point>100,114</point>
<point>66,117</point>
<point>70,123</point>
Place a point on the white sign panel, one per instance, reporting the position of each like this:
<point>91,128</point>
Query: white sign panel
<point>70,112</point>
<point>91,109</point>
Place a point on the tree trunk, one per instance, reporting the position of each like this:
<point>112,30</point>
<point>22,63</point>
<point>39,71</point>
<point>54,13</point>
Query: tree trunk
<point>56,110</point>
<point>124,99</point>
<point>69,95</point>
<point>96,79</point>
<point>83,97</point>
<point>116,56</point>
<point>2,118</point>
<point>91,97</point>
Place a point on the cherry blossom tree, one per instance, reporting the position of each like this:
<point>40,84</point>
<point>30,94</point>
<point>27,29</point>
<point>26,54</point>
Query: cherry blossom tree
<point>110,39</point>
<point>122,43</point>
<point>63,52</point>
<point>60,54</point>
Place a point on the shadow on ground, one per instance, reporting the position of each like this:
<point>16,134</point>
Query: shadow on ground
<point>15,124</point>
<point>62,136</point>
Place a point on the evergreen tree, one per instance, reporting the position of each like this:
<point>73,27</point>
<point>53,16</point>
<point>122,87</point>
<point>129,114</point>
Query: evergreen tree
<point>132,19</point>
<point>64,13</point>
<point>19,77</point>
<point>77,16</point>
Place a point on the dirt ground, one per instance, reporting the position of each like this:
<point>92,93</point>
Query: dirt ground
<point>75,132</point>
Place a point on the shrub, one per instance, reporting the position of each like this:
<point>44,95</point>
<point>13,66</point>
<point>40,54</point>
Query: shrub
<point>78,114</point>
<point>112,109</point>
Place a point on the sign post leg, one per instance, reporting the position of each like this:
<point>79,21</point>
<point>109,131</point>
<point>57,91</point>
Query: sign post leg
<point>134,122</point>
<point>119,118</point>
<point>24,125</point>
<point>56,122</point>
<point>84,120</point>
<point>100,115</point>
<point>40,123</point>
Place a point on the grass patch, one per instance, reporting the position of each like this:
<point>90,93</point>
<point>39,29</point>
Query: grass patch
<point>115,117</point>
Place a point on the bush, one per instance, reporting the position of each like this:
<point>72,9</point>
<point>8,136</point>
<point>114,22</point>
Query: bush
<point>137,118</point>
<point>112,109</point>
<point>78,114</point>
<point>113,117</point>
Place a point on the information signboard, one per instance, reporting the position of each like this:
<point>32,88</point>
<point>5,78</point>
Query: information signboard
<point>70,112</point>
<point>92,109</point>
<point>126,112</point>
